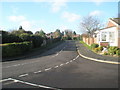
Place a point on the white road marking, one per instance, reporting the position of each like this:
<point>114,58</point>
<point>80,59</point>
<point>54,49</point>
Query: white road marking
<point>32,84</point>
<point>38,72</point>
<point>70,60</point>
<point>74,59</point>
<point>48,69</point>
<point>56,66</point>
<point>5,80</point>
<point>30,62</point>
<point>23,75</point>
<point>66,62</point>
<point>61,64</point>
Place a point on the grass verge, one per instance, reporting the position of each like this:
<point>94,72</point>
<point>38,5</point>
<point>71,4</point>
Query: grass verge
<point>85,45</point>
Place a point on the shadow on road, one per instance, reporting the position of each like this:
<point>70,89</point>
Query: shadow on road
<point>64,46</point>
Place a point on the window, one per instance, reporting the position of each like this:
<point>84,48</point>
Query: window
<point>104,36</point>
<point>111,36</point>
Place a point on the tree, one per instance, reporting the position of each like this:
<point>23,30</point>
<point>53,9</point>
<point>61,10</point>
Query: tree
<point>41,33</point>
<point>68,32</point>
<point>90,24</point>
<point>20,27</point>
<point>25,37</point>
<point>57,33</point>
<point>74,33</point>
<point>29,32</point>
<point>9,38</point>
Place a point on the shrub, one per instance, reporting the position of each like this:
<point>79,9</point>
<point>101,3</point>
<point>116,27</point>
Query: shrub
<point>36,40</point>
<point>25,37</point>
<point>112,50</point>
<point>96,49</point>
<point>105,53</point>
<point>94,46</point>
<point>100,48</point>
<point>9,38</point>
<point>15,49</point>
<point>118,52</point>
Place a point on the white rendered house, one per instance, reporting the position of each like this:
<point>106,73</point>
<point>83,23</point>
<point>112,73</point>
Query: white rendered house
<point>109,35</point>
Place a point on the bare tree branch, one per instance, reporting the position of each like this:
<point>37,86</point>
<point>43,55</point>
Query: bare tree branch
<point>90,24</point>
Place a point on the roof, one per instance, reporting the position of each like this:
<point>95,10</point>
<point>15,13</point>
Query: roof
<point>84,35</point>
<point>106,28</point>
<point>117,20</point>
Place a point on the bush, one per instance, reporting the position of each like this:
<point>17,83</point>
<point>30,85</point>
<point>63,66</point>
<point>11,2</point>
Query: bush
<point>25,37</point>
<point>15,49</point>
<point>105,53</point>
<point>36,40</point>
<point>96,49</point>
<point>118,52</point>
<point>9,38</point>
<point>100,48</point>
<point>94,46</point>
<point>112,50</point>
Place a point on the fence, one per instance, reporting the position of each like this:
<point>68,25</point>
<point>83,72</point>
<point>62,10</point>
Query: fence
<point>89,40</point>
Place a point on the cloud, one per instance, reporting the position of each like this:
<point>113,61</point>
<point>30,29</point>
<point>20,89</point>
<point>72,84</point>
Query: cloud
<point>21,20</point>
<point>57,5</point>
<point>95,13</point>
<point>71,17</point>
<point>16,18</point>
<point>26,25</point>
<point>62,28</point>
<point>98,2</point>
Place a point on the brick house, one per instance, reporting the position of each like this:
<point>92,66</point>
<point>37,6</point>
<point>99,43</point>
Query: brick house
<point>110,35</point>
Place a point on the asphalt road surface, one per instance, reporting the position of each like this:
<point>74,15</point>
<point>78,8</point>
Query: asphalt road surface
<point>59,68</point>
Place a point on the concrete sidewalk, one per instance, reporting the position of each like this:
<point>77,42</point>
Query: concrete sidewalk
<point>88,53</point>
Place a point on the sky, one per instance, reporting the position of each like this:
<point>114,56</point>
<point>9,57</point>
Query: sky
<point>50,16</point>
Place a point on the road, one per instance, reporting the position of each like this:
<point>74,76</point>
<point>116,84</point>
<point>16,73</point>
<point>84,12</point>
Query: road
<point>58,68</point>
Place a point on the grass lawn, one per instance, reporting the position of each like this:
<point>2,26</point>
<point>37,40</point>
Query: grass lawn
<point>86,45</point>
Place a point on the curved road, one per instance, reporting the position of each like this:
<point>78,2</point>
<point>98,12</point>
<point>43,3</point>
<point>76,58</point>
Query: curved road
<point>58,68</point>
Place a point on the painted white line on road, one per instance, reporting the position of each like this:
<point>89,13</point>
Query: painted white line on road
<point>56,66</point>
<point>70,60</point>
<point>97,60</point>
<point>61,64</point>
<point>32,84</point>
<point>77,57</point>
<point>74,59</point>
<point>23,75</point>
<point>48,69</point>
<point>38,72</point>
<point>66,62</point>
<point>5,80</point>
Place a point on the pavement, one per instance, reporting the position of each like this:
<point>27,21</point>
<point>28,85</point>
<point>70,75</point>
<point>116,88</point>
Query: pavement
<point>59,68</point>
<point>88,53</point>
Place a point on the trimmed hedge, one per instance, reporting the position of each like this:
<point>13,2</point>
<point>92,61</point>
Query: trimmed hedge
<point>15,49</point>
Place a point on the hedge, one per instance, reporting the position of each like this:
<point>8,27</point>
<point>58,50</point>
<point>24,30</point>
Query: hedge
<point>15,49</point>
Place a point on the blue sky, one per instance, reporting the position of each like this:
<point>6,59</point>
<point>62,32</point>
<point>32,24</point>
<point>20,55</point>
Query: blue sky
<point>50,16</point>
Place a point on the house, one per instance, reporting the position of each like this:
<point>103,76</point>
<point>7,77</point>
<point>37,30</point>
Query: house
<point>110,35</point>
<point>50,35</point>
